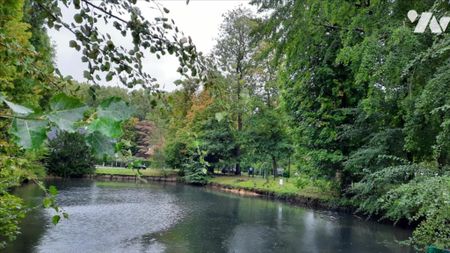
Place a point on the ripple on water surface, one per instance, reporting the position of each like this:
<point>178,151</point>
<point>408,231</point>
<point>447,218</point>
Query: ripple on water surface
<point>128,217</point>
<point>110,220</point>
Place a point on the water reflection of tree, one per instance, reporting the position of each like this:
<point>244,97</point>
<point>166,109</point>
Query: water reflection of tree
<point>207,225</point>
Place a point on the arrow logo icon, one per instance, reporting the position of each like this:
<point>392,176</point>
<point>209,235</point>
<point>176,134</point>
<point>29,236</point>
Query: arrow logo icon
<point>427,19</point>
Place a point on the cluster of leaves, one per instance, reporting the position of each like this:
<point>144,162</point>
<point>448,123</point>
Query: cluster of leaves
<point>195,168</point>
<point>197,145</point>
<point>70,114</point>
<point>324,185</point>
<point>374,186</point>
<point>367,100</point>
<point>159,36</point>
<point>176,155</point>
<point>425,200</point>
<point>13,171</point>
<point>69,156</point>
<point>11,212</point>
<point>50,202</point>
<point>409,192</point>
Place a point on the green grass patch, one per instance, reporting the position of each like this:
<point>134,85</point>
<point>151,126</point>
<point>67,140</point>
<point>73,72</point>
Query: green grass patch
<point>287,189</point>
<point>129,172</point>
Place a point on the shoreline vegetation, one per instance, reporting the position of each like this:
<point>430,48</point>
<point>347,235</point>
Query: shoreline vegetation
<point>309,196</point>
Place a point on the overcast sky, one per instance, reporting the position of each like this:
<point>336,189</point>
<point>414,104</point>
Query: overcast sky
<point>200,19</point>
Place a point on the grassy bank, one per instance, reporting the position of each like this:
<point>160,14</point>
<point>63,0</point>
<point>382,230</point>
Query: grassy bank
<point>130,172</point>
<point>272,186</point>
<point>256,184</point>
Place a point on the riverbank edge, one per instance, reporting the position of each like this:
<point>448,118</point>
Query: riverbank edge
<point>112,178</point>
<point>294,199</point>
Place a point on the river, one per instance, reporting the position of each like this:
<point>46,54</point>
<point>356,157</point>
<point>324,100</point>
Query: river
<point>155,217</point>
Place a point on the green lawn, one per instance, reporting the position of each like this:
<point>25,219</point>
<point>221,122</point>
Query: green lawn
<point>130,172</point>
<point>288,188</point>
<point>259,183</point>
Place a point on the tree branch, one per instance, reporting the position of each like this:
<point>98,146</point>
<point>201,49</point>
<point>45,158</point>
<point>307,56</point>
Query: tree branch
<point>104,11</point>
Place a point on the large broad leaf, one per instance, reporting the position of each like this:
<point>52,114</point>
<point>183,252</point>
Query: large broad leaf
<point>29,134</point>
<point>66,111</point>
<point>101,144</point>
<point>220,116</point>
<point>19,109</point>
<point>114,108</point>
<point>106,126</point>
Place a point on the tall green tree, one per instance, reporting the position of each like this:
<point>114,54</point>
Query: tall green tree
<point>233,53</point>
<point>266,138</point>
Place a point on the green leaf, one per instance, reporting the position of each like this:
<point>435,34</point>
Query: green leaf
<point>19,109</point>
<point>114,108</point>
<point>77,3</point>
<point>78,18</point>
<point>87,75</point>
<point>101,144</point>
<point>220,116</point>
<point>47,202</point>
<point>55,219</point>
<point>106,126</point>
<point>109,76</point>
<point>29,134</point>
<point>65,215</point>
<point>66,111</point>
<point>73,44</point>
<point>53,191</point>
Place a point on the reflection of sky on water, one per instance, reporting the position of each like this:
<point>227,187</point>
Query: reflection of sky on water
<point>110,220</point>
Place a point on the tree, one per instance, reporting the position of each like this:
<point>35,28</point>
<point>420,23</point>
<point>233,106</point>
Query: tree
<point>233,53</point>
<point>69,156</point>
<point>212,128</point>
<point>16,83</point>
<point>265,137</point>
<point>366,100</point>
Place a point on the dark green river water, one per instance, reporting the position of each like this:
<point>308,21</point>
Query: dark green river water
<point>125,217</point>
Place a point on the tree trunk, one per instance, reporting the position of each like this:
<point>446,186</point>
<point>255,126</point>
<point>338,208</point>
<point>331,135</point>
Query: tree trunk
<point>239,120</point>
<point>274,166</point>
<point>289,167</point>
<point>238,169</point>
<point>238,148</point>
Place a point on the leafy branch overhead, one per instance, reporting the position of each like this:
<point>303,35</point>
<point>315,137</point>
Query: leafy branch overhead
<point>159,37</point>
<point>101,124</point>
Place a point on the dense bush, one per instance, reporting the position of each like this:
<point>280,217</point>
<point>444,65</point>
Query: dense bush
<point>176,155</point>
<point>11,212</point>
<point>324,185</point>
<point>69,156</point>
<point>425,200</point>
<point>413,192</point>
<point>195,173</point>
